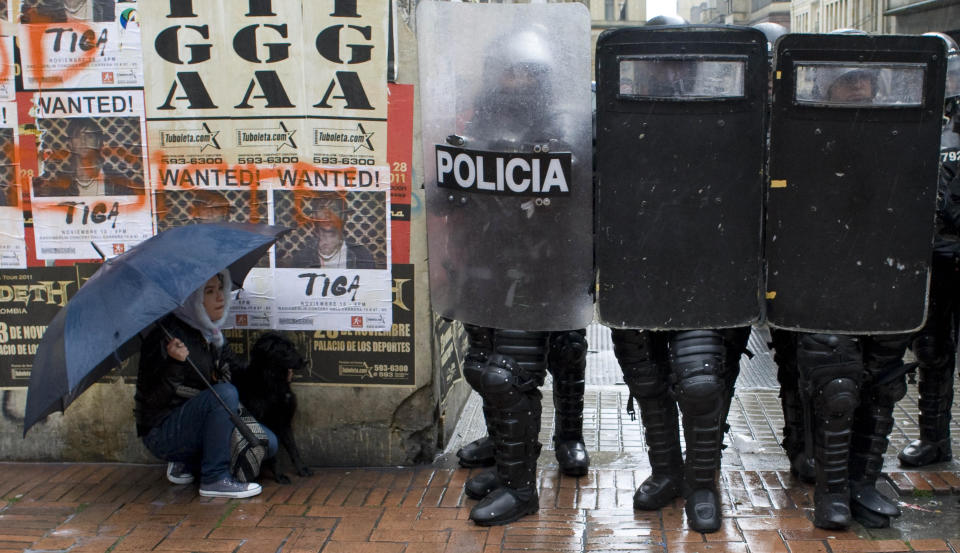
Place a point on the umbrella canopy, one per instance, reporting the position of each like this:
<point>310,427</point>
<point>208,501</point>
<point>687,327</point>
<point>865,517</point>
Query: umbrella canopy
<point>100,326</point>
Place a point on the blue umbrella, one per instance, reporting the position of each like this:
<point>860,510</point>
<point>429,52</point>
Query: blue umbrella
<point>101,325</point>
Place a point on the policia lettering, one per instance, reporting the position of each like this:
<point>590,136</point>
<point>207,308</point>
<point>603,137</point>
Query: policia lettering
<point>506,173</point>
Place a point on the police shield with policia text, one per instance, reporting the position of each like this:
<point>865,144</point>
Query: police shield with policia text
<point>855,128</point>
<point>507,157</point>
<point>680,149</point>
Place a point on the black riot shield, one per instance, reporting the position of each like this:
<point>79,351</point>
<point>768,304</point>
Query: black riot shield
<point>680,144</point>
<point>855,134</point>
<point>505,111</point>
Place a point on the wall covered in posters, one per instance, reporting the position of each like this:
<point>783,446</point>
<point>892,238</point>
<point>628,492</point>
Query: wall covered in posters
<point>126,118</point>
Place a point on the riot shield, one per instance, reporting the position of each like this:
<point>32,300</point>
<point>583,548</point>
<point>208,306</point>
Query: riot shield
<point>855,135</point>
<point>505,109</point>
<point>680,146</point>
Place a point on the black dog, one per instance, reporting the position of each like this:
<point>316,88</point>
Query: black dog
<point>264,389</point>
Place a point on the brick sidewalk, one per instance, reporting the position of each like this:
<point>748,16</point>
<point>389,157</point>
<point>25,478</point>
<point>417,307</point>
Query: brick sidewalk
<point>100,508</point>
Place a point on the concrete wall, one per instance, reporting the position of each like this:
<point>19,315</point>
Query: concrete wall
<point>335,425</point>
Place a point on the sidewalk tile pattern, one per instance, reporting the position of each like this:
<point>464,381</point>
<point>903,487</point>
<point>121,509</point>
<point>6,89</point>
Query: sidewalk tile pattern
<point>100,508</point>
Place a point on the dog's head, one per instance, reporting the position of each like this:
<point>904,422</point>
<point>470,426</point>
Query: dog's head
<point>276,356</point>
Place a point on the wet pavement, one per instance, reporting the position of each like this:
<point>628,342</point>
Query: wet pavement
<point>120,508</point>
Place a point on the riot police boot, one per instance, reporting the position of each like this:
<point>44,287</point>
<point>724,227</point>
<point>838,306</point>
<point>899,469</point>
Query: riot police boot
<point>832,452</point>
<point>567,362</point>
<point>481,484</point>
<point>936,398</point>
<point>511,388</point>
<point>884,385</point>
<point>662,432</point>
<point>832,491</point>
<point>872,428</point>
<point>700,472</point>
<point>642,358</point>
<point>697,358</point>
<point>516,468</point>
<point>831,369</point>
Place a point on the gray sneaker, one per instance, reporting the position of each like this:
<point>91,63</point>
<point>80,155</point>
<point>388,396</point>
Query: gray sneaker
<point>178,473</point>
<point>228,487</point>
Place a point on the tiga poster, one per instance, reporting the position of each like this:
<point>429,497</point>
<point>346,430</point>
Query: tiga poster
<point>368,358</point>
<point>266,82</point>
<point>90,190</point>
<point>333,268</point>
<point>71,44</point>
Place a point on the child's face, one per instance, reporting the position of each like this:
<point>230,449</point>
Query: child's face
<point>213,298</point>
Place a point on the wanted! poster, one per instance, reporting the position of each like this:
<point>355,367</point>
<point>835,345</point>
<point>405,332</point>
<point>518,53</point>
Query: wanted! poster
<point>210,194</point>
<point>13,250</point>
<point>71,44</point>
<point>266,83</point>
<point>90,186</point>
<point>333,268</point>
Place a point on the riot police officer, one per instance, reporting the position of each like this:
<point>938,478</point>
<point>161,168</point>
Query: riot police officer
<point>507,142</point>
<point>935,345</point>
<point>678,328</point>
<point>695,370</point>
<point>782,341</point>
<point>566,362</point>
<point>850,373</point>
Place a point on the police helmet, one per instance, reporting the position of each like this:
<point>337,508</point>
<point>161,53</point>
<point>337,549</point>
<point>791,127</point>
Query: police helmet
<point>666,20</point>
<point>849,78</point>
<point>953,65</point>
<point>772,31</point>
<point>848,31</point>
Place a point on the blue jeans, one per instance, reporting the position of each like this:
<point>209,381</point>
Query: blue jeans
<point>199,430</point>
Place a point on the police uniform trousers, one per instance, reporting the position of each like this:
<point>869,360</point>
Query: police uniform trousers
<point>935,347</point>
<point>566,362</point>
<point>847,387</point>
<point>507,367</point>
<point>694,370</point>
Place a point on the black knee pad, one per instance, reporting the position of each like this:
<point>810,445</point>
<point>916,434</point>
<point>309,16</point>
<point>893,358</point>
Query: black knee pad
<point>480,346</point>
<point>503,384</point>
<point>831,371</point>
<point>931,351</point>
<point>567,349</point>
<point>835,401</point>
<point>699,394</point>
<point>697,360</point>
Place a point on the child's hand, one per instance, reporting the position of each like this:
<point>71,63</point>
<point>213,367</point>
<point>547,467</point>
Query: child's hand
<point>177,350</point>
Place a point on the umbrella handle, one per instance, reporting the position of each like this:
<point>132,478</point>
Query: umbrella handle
<point>237,421</point>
